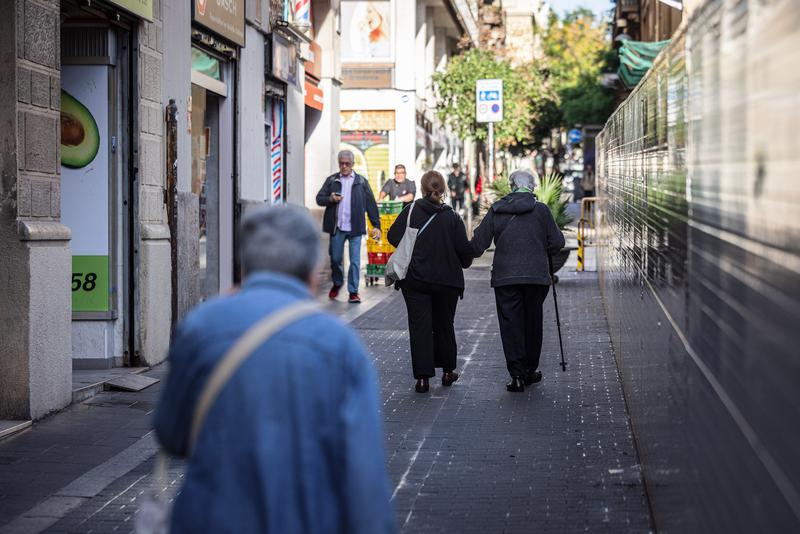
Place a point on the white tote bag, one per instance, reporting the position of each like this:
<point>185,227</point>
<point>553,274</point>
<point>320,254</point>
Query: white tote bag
<point>397,266</point>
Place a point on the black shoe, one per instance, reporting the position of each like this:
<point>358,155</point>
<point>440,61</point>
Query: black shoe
<point>533,377</point>
<point>448,378</point>
<point>422,385</point>
<point>517,385</point>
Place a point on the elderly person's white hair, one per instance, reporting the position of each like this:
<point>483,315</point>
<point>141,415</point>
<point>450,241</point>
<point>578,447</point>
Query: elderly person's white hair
<point>522,179</point>
<point>348,154</point>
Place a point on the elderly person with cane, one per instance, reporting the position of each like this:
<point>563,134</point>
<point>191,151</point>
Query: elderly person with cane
<point>525,234</point>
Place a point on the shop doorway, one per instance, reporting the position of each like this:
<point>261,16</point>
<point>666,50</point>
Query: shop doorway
<point>212,132</point>
<point>95,199</point>
<point>205,184</point>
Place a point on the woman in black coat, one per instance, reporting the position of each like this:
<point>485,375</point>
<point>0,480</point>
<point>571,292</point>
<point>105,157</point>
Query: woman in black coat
<point>434,281</point>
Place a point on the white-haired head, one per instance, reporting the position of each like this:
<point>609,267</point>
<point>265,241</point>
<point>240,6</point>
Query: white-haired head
<point>522,179</point>
<point>347,154</point>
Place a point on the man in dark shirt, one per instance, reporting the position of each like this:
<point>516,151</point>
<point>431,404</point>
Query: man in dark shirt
<point>399,188</point>
<point>458,185</point>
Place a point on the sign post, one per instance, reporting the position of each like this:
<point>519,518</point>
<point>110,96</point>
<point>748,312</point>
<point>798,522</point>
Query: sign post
<point>491,152</point>
<point>489,109</point>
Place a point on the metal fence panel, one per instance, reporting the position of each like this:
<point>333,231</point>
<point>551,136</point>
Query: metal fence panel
<point>700,268</point>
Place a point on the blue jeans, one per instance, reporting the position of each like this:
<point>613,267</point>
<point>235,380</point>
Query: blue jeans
<point>336,251</point>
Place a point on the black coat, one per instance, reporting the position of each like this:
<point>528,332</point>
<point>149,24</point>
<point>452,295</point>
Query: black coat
<point>361,201</point>
<point>524,233</point>
<point>457,183</point>
<point>442,250</point>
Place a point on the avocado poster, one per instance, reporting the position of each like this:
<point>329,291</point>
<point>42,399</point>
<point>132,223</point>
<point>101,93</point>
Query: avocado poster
<point>85,187</point>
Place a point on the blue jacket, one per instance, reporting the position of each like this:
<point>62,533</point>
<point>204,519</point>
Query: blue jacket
<point>361,201</point>
<point>293,443</point>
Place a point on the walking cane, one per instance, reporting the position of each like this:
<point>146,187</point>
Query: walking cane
<point>558,320</point>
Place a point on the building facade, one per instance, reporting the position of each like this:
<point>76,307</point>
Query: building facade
<point>138,133</point>
<point>390,50</point>
<point>647,20</point>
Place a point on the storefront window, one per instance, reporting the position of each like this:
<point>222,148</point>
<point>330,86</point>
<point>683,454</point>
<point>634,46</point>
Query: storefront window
<point>205,184</point>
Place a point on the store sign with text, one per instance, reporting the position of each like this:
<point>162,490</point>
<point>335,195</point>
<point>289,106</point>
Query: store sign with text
<point>224,17</point>
<point>284,59</point>
<point>367,77</point>
<point>141,8</point>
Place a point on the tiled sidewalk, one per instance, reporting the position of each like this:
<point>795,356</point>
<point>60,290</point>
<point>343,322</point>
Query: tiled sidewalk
<point>471,458</point>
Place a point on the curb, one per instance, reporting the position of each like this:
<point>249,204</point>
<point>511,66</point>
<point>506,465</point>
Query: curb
<point>87,392</point>
<point>10,428</point>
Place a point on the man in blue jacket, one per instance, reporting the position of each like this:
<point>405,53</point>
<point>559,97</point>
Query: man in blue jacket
<point>293,443</point>
<point>346,196</point>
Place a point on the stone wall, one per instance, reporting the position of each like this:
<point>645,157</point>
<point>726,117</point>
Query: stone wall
<point>35,311</point>
<point>155,284</point>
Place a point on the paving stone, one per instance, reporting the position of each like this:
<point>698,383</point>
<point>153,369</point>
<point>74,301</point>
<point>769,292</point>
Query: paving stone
<point>470,458</point>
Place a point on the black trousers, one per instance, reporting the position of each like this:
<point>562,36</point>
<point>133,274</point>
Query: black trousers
<point>431,311</point>
<point>519,312</point>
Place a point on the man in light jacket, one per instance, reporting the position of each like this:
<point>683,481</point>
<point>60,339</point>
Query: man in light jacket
<point>293,443</point>
<point>346,196</point>
<point>524,233</point>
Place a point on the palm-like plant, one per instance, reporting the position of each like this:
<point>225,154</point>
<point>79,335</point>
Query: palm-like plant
<point>548,192</point>
<point>500,187</point>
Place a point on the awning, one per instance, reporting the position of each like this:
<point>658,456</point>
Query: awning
<point>635,59</point>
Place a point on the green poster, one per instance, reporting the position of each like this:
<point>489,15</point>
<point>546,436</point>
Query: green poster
<point>90,283</point>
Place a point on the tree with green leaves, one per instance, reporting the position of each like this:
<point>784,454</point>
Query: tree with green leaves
<point>524,94</point>
<point>577,51</point>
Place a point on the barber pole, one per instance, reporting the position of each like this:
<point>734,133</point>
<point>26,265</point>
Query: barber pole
<point>302,12</point>
<point>276,154</point>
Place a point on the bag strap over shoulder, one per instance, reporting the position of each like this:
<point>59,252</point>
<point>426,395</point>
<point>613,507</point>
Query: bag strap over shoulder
<point>408,222</point>
<point>426,224</point>
<point>251,340</point>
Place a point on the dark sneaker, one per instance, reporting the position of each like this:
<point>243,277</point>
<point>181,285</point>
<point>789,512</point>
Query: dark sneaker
<point>422,385</point>
<point>533,377</point>
<point>334,292</point>
<point>354,298</point>
<point>517,385</point>
<point>448,378</point>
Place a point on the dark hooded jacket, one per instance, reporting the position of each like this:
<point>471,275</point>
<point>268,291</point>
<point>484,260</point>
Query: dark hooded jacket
<point>524,233</point>
<point>442,250</point>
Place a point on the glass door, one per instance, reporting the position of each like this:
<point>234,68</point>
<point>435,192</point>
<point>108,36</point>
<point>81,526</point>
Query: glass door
<point>205,184</point>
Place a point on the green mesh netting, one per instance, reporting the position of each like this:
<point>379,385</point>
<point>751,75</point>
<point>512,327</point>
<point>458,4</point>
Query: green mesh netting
<point>635,59</point>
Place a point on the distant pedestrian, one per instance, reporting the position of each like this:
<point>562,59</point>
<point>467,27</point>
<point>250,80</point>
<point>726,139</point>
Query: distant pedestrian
<point>346,197</point>
<point>434,281</point>
<point>399,187</point>
<point>293,440</point>
<point>476,200</point>
<point>458,185</point>
<point>524,234</point>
